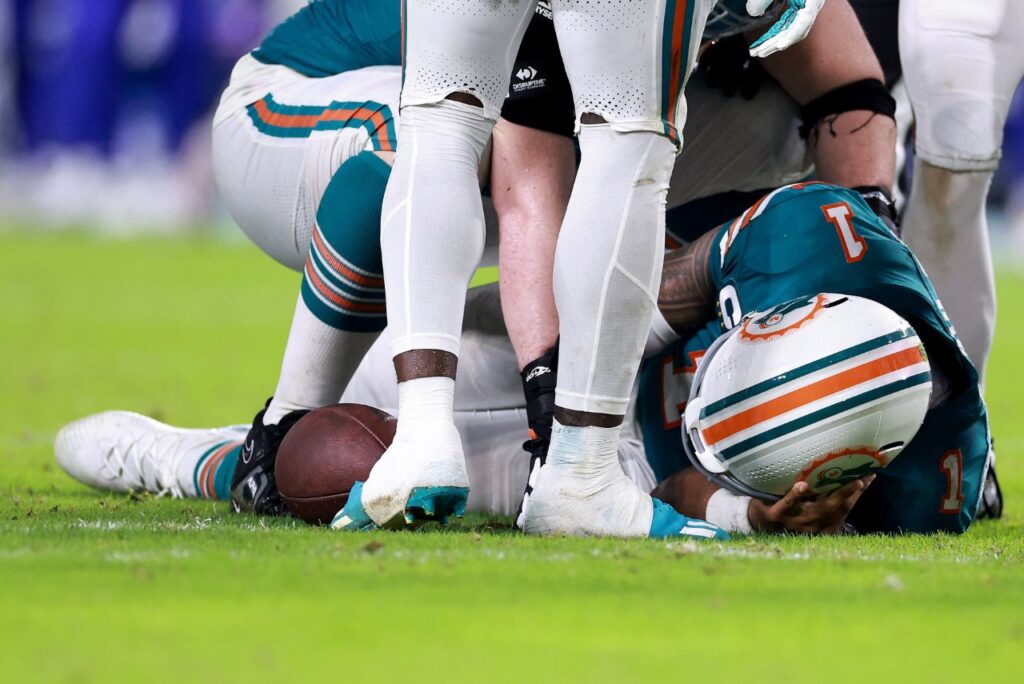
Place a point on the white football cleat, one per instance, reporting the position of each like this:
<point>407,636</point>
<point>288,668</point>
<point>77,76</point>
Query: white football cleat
<point>580,493</point>
<point>120,451</point>
<point>421,477</point>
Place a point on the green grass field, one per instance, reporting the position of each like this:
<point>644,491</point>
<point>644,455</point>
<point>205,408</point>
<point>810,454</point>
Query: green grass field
<point>114,588</point>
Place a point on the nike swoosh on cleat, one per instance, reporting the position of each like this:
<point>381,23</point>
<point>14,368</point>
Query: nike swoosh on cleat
<point>247,450</point>
<point>694,531</point>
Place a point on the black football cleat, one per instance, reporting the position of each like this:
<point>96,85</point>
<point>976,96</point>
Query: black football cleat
<point>991,506</point>
<point>253,486</point>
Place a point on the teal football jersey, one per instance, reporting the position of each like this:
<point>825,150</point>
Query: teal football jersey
<point>808,238</point>
<point>328,37</point>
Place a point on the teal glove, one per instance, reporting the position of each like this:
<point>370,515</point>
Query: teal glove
<point>790,28</point>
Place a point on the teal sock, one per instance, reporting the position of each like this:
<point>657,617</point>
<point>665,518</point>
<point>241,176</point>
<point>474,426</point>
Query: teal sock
<point>213,472</point>
<point>343,281</point>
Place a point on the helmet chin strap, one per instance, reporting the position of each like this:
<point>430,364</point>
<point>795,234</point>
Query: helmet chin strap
<point>688,429</point>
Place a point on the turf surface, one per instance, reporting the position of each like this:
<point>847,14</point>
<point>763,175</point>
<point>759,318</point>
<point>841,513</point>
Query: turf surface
<point>114,588</point>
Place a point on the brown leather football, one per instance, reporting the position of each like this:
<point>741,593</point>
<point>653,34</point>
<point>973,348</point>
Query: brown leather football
<point>325,453</point>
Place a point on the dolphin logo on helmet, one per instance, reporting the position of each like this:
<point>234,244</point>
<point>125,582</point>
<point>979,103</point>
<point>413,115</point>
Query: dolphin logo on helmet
<point>825,388</point>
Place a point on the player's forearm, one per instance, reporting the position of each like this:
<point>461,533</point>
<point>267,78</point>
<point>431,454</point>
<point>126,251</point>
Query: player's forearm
<point>693,495</point>
<point>687,295</point>
<point>852,148</point>
<point>855,149</point>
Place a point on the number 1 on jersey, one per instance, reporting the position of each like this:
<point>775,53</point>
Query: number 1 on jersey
<point>952,466</point>
<point>840,215</point>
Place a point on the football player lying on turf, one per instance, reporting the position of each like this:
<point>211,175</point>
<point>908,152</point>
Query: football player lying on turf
<point>302,142</point>
<point>797,242</point>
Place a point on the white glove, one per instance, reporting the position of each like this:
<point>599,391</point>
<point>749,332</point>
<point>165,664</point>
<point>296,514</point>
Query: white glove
<point>790,28</point>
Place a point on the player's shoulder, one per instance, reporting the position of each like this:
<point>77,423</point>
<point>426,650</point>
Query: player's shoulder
<point>780,200</point>
<point>786,210</point>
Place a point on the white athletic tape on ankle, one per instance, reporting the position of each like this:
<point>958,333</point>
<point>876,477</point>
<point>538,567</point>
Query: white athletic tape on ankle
<point>586,448</point>
<point>425,399</point>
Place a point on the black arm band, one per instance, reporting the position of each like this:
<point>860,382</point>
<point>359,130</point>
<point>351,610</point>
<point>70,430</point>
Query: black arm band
<point>867,95</point>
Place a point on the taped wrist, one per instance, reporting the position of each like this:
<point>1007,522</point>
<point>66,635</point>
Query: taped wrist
<point>881,202</point>
<point>729,511</point>
<point>539,379</point>
<point>869,94</point>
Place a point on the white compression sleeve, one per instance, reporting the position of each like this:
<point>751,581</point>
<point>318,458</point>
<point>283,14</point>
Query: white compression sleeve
<point>608,265</point>
<point>432,231</point>
<point>946,227</point>
<point>660,336</point>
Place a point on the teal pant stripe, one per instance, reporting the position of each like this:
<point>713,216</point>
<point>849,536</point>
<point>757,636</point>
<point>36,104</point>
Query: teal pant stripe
<point>299,121</point>
<point>822,414</point>
<point>802,371</point>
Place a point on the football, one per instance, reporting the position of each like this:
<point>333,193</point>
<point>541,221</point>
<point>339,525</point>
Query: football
<point>326,453</point>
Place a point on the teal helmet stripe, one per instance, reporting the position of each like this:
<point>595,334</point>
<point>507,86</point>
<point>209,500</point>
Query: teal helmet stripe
<point>803,371</point>
<point>823,414</point>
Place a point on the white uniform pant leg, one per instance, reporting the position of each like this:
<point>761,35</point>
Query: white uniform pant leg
<point>271,180</point>
<point>627,62</point>
<point>962,63</point>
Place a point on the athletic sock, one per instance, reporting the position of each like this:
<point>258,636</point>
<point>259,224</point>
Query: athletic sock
<point>211,474</point>
<point>341,307</point>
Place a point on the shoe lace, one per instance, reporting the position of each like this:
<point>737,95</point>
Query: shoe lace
<point>153,459</point>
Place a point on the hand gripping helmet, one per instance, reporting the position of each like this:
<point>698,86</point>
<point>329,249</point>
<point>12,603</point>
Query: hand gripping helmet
<point>826,388</point>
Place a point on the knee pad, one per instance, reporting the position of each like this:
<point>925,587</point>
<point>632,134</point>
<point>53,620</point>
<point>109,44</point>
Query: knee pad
<point>343,280</point>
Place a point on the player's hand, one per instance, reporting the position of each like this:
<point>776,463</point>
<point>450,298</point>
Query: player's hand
<point>799,511</point>
<point>727,66</point>
<point>790,28</point>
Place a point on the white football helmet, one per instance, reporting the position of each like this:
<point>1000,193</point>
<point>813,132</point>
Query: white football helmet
<point>826,388</point>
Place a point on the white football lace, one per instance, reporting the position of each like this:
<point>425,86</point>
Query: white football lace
<point>155,457</point>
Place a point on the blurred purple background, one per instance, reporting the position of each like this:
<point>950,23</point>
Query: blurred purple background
<point>105,109</point>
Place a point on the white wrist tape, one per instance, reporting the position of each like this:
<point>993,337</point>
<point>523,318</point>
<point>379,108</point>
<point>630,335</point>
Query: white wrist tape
<point>729,511</point>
